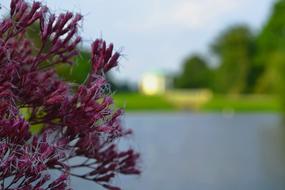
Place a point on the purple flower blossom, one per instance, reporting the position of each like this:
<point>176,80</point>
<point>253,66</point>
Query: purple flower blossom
<point>72,123</point>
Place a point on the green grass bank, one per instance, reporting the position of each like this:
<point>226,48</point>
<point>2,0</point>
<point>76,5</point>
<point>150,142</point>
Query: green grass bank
<point>218,103</point>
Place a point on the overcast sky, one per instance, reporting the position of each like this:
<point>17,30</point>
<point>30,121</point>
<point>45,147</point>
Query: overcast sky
<point>156,35</point>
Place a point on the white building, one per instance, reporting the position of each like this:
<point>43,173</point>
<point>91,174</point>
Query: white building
<point>152,84</point>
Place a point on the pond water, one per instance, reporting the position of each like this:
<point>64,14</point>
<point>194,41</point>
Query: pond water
<point>182,151</point>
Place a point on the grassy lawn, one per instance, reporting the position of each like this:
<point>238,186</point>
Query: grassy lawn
<point>250,103</point>
<point>219,103</point>
<point>138,102</point>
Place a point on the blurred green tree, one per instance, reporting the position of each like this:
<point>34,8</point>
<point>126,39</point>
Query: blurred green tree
<point>271,52</point>
<point>78,72</point>
<point>234,49</point>
<point>195,74</point>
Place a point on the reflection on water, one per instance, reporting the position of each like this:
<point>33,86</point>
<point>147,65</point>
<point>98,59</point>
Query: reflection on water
<point>205,152</point>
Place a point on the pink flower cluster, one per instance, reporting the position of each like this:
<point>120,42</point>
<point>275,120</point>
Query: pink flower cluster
<point>73,122</point>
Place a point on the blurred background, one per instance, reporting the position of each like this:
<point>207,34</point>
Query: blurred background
<point>203,84</point>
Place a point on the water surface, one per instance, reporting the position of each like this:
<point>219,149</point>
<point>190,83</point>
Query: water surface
<point>205,152</point>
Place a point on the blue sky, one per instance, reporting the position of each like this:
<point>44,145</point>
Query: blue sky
<point>156,35</point>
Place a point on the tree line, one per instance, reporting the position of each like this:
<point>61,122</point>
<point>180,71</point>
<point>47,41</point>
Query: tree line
<point>248,62</point>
